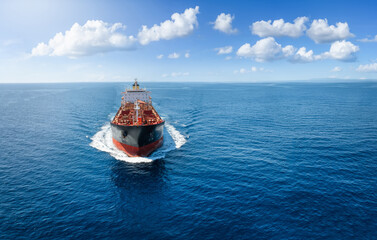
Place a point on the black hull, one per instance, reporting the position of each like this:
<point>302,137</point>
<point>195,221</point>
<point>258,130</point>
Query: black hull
<point>137,136</point>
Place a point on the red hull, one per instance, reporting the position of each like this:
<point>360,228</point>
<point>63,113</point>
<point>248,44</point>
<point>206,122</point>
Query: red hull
<point>143,151</point>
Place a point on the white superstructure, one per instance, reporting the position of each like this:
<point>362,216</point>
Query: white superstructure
<point>136,93</point>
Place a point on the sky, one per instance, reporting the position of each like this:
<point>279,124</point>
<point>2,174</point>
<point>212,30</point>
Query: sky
<point>187,41</point>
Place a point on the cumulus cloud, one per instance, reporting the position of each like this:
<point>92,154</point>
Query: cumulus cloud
<point>224,50</point>
<point>339,50</point>
<point>173,55</point>
<point>279,28</point>
<point>303,56</point>
<point>180,25</point>
<point>223,23</point>
<point>160,56</point>
<point>336,69</point>
<point>288,50</point>
<point>187,55</point>
<point>95,36</point>
<point>368,40</point>
<point>266,49</point>
<point>321,32</point>
<point>342,50</point>
<point>367,68</point>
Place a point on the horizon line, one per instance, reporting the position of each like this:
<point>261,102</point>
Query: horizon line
<point>315,80</point>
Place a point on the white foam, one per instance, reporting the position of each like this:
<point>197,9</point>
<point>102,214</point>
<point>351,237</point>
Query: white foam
<point>178,138</point>
<point>102,141</point>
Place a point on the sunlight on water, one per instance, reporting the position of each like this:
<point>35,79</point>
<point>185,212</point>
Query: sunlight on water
<point>102,141</point>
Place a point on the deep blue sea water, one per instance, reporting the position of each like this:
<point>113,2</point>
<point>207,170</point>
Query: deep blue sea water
<point>241,161</point>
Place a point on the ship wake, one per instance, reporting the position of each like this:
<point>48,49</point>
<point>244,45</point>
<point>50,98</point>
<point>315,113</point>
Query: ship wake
<point>102,141</point>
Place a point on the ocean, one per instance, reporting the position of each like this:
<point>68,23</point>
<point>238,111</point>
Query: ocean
<point>239,161</point>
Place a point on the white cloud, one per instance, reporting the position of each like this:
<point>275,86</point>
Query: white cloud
<point>341,50</point>
<point>180,25</point>
<point>303,56</point>
<point>266,49</point>
<point>187,55</point>
<point>176,74</point>
<point>228,57</point>
<point>241,71</point>
<point>224,50</point>
<point>173,55</point>
<point>368,40</point>
<point>367,68</point>
<point>288,50</point>
<point>43,49</point>
<point>252,69</point>
<point>279,28</point>
<point>336,69</point>
<point>95,36</point>
<point>321,32</point>
<point>256,69</point>
<point>245,51</point>
<point>223,23</point>
<point>160,56</point>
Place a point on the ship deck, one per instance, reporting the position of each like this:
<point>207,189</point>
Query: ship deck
<point>126,115</point>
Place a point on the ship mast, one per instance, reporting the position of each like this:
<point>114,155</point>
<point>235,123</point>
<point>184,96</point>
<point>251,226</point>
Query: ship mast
<point>136,85</point>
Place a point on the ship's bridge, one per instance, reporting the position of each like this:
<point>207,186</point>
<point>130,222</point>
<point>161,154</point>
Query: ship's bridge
<point>136,93</point>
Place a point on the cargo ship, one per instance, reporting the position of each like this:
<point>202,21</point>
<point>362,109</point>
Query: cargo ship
<point>137,129</point>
